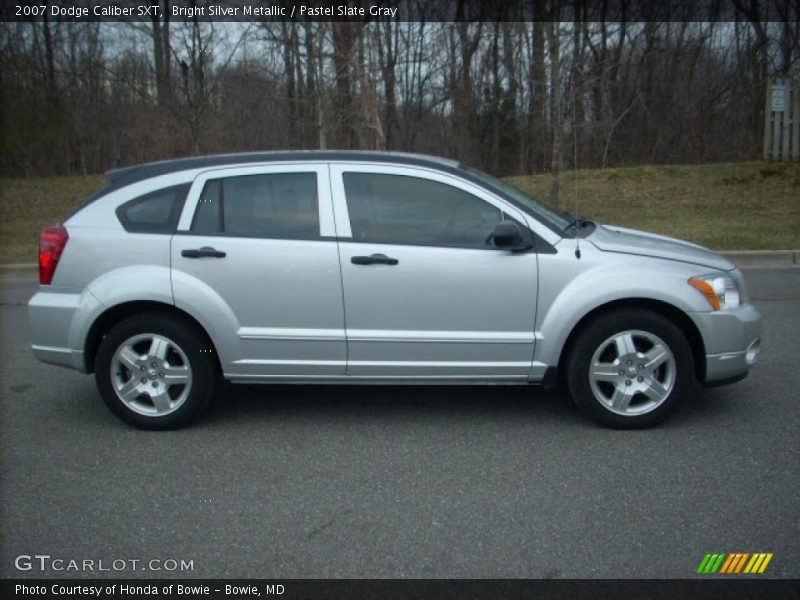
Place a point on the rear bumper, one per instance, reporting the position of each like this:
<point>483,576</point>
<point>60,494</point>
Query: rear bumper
<point>62,357</point>
<point>59,319</point>
<point>732,340</point>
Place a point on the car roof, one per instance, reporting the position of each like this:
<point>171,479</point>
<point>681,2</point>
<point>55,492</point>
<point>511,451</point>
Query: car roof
<point>127,175</point>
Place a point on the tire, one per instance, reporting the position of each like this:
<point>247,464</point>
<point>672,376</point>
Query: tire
<point>643,368</point>
<point>156,371</point>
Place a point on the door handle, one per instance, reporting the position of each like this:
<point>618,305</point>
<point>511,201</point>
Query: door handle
<point>204,252</point>
<point>374,259</point>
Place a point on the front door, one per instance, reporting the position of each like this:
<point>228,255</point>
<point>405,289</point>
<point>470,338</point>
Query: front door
<point>426,293</point>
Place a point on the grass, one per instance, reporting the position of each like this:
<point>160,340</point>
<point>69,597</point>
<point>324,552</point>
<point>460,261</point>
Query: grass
<point>725,206</point>
<point>28,205</point>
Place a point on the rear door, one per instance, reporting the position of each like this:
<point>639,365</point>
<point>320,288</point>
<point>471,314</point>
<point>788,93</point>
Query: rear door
<point>426,293</point>
<point>255,259</point>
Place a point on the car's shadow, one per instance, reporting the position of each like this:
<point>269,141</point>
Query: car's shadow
<point>239,403</point>
<point>246,402</point>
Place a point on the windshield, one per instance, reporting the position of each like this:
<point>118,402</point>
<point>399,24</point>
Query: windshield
<point>554,220</point>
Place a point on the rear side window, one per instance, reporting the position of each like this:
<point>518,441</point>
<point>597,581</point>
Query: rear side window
<point>156,212</point>
<point>398,209</point>
<point>279,205</point>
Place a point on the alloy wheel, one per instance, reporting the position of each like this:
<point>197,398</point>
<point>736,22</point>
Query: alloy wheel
<point>151,374</point>
<point>632,372</point>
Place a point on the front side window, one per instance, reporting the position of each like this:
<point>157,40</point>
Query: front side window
<point>156,212</point>
<point>553,219</point>
<point>399,209</point>
<point>279,205</point>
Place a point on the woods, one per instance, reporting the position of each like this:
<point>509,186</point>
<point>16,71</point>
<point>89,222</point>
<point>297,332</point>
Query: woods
<point>498,92</point>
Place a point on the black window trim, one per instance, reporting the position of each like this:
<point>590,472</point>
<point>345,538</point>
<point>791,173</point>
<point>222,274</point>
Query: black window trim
<point>539,245</point>
<point>220,212</point>
<point>221,206</point>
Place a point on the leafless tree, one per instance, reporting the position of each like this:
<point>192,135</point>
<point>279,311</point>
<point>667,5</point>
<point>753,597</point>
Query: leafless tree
<point>493,90</point>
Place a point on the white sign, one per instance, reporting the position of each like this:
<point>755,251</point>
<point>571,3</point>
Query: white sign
<point>779,97</point>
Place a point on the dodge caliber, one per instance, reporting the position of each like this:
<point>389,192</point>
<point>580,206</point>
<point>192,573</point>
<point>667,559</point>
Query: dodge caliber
<point>380,268</point>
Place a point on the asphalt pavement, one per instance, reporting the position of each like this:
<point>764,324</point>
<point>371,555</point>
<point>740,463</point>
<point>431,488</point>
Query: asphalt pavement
<point>368,481</point>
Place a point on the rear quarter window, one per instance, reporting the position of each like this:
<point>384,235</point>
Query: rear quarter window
<point>156,212</point>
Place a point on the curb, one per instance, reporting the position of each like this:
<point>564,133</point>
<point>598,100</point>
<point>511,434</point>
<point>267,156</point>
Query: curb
<point>19,271</point>
<point>763,258</point>
<point>742,258</point>
<point>21,268</point>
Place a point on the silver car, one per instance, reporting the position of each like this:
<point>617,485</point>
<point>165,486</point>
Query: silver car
<point>383,268</point>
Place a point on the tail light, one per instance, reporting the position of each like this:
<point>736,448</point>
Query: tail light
<point>52,241</point>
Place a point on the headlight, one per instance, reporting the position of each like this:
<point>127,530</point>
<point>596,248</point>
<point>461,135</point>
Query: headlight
<point>720,290</point>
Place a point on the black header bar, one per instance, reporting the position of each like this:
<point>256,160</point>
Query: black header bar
<point>733,588</point>
<point>395,10</point>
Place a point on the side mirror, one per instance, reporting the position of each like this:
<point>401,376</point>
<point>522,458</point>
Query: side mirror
<point>508,235</point>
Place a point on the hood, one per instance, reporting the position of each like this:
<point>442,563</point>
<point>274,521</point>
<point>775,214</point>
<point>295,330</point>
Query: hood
<point>611,238</point>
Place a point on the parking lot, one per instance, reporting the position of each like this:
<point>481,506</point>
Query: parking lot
<point>369,481</point>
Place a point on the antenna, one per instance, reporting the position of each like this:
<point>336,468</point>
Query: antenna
<point>575,166</point>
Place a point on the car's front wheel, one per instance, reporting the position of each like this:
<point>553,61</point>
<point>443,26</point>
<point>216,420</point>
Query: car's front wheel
<point>156,371</point>
<point>629,369</point>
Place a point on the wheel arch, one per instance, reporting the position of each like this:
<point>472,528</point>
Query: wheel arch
<point>674,314</point>
<point>113,315</point>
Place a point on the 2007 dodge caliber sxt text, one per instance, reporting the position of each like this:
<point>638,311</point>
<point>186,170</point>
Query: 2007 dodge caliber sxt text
<point>339,267</point>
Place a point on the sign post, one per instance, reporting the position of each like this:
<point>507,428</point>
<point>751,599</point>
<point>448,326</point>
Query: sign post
<point>782,120</point>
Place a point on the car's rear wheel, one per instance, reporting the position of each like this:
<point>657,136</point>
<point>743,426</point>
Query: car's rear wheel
<point>629,369</point>
<point>156,371</point>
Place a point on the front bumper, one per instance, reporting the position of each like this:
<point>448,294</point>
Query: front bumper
<point>732,340</point>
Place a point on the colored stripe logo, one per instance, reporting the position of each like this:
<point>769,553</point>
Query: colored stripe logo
<point>736,562</point>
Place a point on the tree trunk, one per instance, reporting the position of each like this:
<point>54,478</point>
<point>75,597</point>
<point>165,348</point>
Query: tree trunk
<point>387,56</point>
<point>167,49</point>
<point>578,86</point>
<point>555,111</point>
<point>158,56</point>
<point>494,156</point>
<point>343,39</point>
<point>52,86</point>
<point>510,110</point>
<point>287,30</point>
<point>370,106</point>
<point>162,58</point>
<point>537,118</point>
<point>317,66</point>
